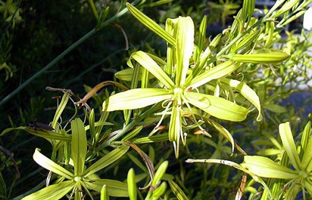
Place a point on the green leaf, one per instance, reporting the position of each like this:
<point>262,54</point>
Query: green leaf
<point>219,71</point>
<point>92,123</point>
<point>247,92</point>
<point>160,173</point>
<point>50,165</point>
<point>175,126</point>
<point>289,145</point>
<point>106,160</point>
<point>60,109</point>
<point>114,188</point>
<point>184,47</point>
<point>159,191</point>
<point>178,192</point>
<point>274,108</point>
<point>52,192</point>
<point>224,132</point>
<point>132,188</point>
<point>151,139</point>
<point>46,134</point>
<point>104,193</point>
<point>136,98</point>
<point>148,63</point>
<point>265,167</point>
<point>133,133</point>
<point>78,146</point>
<point>306,135</point>
<point>149,23</point>
<point>264,58</point>
<point>217,107</point>
<point>306,161</point>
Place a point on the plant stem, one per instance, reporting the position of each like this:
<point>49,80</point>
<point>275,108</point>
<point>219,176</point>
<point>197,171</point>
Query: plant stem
<point>64,53</point>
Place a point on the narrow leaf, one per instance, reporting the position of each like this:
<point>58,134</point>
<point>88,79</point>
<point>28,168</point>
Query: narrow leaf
<point>289,145</point>
<point>60,109</point>
<point>178,192</point>
<point>106,160</point>
<point>149,23</point>
<point>46,134</point>
<point>52,192</point>
<point>247,92</point>
<point>104,193</point>
<point>148,63</point>
<point>50,165</point>
<point>219,71</point>
<point>136,98</point>
<point>160,173</point>
<point>114,188</point>
<point>132,188</point>
<point>217,107</point>
<point>265,167</point>
<point>184,47</point>
<point>78,145</point>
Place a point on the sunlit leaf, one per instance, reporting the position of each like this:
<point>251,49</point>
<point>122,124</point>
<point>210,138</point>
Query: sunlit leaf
<point>184,47</point>
<point>78,145</point>
<point>136,98</point>
<point>148,63</point>
<point>247,92</point>
<point>114,188</point>
<point>219,71</point>
<point>265,167</point>
<point>159,173</point>
<point>149,23</point>
<point>104,193</point>
<point>50,165</point>
<point>60,109</point>
<point>289,145</point>
<point>217,107</point>
<point>52,192</point>
<point>132,188</point>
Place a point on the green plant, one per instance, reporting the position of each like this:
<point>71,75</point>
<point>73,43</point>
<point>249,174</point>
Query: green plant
<point>201,92</point>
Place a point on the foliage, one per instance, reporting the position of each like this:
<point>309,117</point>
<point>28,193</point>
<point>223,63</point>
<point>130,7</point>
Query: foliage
<point>178,96</point>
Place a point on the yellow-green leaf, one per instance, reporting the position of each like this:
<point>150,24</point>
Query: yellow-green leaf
<point>136,98</point>
<point>160,173</point>
<point>132,188</point>
<point>247,92</point>
<point>78,145</point>
<point>265,167</point>
<point>289,145</point>
<point>114,188</point>
<point>45,162</point>
<point>219,71</point>
<point>149,23</point>
<point>52,192</point>
<point>104,193</point>
<point>261,58</point>
<point>60,109</point>
<point>148,63</point>
<point>217,107</point>
<point>184,47</point>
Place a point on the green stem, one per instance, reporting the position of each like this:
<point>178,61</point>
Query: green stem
<point>64,53</point>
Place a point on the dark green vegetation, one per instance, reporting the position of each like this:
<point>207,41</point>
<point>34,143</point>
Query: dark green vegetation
<point>154,100</point>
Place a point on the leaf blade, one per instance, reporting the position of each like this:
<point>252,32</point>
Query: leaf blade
<point>136,98</point>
